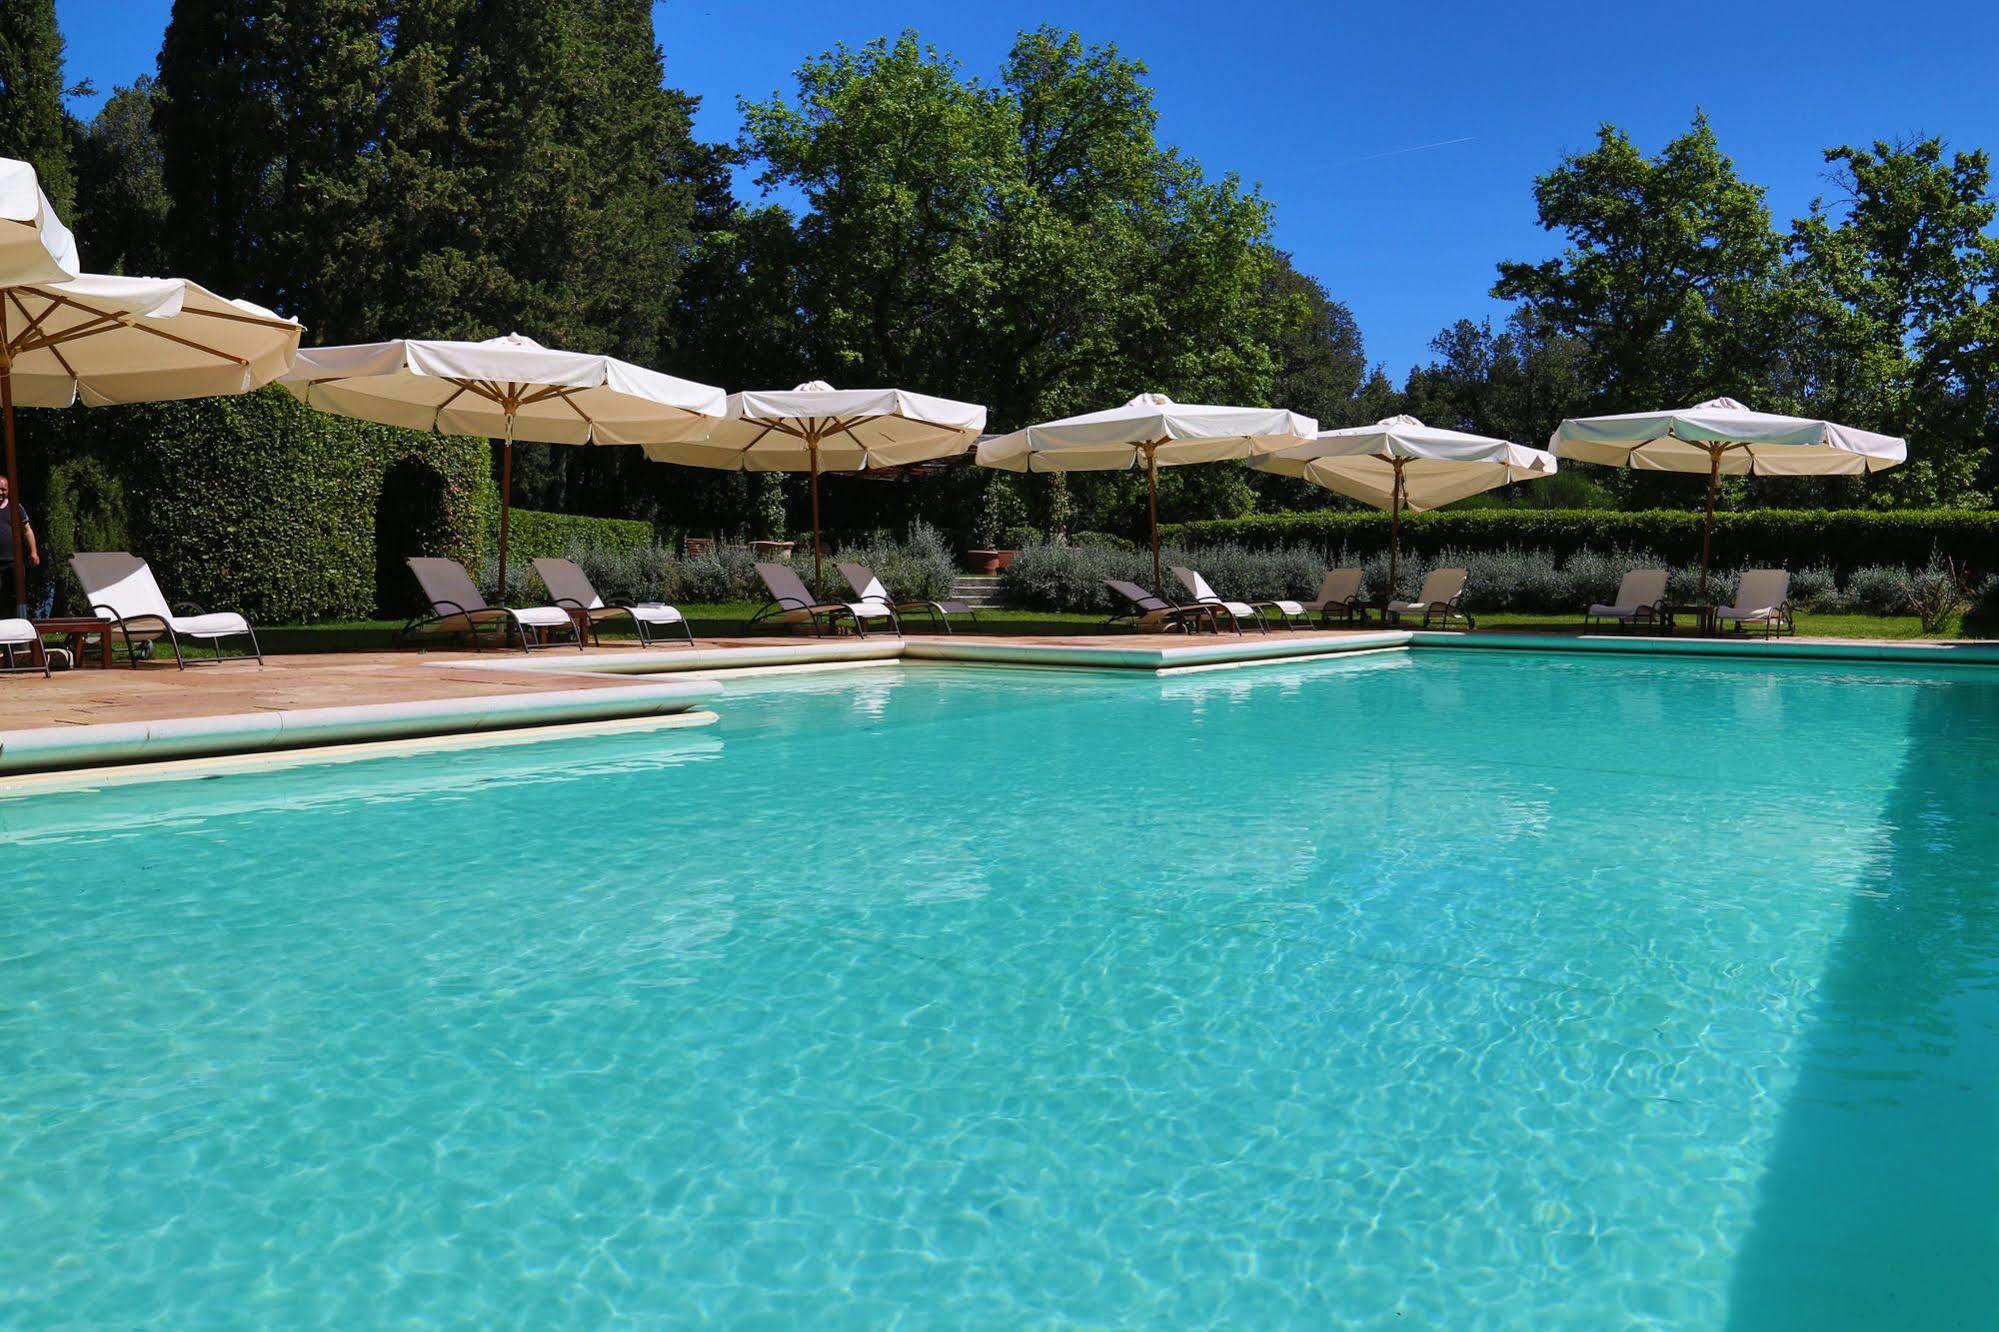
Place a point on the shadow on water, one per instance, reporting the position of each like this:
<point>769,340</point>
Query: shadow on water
<point>1880,1205</point>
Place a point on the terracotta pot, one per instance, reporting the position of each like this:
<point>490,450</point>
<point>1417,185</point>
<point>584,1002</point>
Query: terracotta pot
<point>771,550</point>
<point>988,561</point>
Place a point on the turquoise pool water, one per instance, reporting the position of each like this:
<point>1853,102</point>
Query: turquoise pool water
<point>1467,990</point>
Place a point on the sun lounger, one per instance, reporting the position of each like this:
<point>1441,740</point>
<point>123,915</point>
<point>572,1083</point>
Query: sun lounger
<point>1761,601</point>
<point>573,591</point>
<point>1237,611</point>
<point>790,603</point>
<point>1149,612</point>
<point>1641,599</point>
<point>1339,594</point>
<point>123,592</point>
<point>870,589</point>
<point>457,605</point>
<point>20,636</point>
<point>1441,598</point>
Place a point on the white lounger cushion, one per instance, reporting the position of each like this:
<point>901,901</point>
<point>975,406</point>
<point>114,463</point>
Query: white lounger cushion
<point>17,631</point>
<point>654,612</point>
<point>1290,607</point>
<point>541,617</point>
<point>870,610</point>
<point>217,624</point>
<point>1616,612</point>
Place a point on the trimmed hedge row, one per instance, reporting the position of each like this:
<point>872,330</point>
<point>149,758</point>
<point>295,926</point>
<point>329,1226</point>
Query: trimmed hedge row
<point>534,534</point>
<point>1842,539</point>
<point>257,504</point>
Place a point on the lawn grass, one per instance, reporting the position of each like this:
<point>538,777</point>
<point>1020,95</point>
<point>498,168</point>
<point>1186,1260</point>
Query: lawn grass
<point>726,620</point>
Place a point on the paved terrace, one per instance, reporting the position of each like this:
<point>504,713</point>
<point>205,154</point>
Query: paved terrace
<point>95,718</point>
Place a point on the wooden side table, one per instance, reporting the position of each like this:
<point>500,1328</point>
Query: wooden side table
<point>77,630</point>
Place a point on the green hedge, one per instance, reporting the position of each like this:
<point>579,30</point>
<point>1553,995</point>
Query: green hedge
<point>535,534</point>
<point>1791,538</point>
<point>260,505</point>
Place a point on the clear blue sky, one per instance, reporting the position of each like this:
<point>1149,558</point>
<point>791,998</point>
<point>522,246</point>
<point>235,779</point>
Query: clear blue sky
<point>1333,108</point>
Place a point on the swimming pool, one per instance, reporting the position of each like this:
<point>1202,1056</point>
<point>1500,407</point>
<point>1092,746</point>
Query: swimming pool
<point>1410,990</point>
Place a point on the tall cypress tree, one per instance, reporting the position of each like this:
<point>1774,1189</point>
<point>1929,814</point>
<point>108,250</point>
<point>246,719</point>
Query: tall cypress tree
<point>266,110</point>
<point>33,125</point>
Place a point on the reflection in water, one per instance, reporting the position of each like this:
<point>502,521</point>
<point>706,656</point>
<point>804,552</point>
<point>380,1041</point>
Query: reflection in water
<point>126,810</point>
<point>1878,1206</point>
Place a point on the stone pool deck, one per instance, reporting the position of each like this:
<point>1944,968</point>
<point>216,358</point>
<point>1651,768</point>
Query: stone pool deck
<point>86,719</point>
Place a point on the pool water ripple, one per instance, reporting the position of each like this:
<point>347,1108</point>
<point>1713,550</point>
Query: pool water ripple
<point>1474,991</point>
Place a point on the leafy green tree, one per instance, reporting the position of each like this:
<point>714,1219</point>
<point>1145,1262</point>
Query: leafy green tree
<point>1668,278</point>
<point>1025,243</point>
<point>122,204</point>
<point>1321,360</point>
<point>1895,310</point>
<point>1517,383</point>
<point>33,125</point>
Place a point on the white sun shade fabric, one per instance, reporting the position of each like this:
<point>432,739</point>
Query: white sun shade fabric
<point>852,430</point>
<point>1747,442</point>
<point>1437,465</point>
<point>34,244</point>
<point>109,340</point>
<point>473,388</point>
<point>1173,433</point>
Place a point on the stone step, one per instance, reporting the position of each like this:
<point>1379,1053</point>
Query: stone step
<point>977,589</point>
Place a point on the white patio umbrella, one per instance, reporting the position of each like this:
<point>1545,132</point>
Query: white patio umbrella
<point>504,388</point>
<point>1721,437</point>
<point>817,428</point>
<point>34,244</point>
<point>113,340</point>
<point>1151,430</point>
<point>1399,463</point>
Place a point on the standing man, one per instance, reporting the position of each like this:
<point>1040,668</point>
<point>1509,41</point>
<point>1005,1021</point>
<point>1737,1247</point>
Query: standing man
<point>10,514</point>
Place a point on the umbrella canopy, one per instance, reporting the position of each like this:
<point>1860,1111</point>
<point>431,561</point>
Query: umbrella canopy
<point>1152,431</point>
<point>504,388</point>
<point>34,244</point>
<point>1399,463</point>
<point>113,340</point>
<point>1721,437</point>
<point>817,428</point>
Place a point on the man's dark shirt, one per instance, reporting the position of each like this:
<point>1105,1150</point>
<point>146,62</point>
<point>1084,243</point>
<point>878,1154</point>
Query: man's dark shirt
<point>7,531</point>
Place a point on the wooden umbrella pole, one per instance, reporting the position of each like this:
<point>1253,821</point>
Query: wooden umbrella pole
<point>506,500</point>
<point>1152,492</point>
<point>1395,530</point>
<point>818,575</point>
<point>1707,528</point>
<point>20,546</point>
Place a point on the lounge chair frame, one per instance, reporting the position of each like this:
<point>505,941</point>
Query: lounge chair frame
<point>1352,610</point>
<point>445,610</point>
<point>940,612</point>
<point>1444,611</point>
<point>612,610</point>
<point>589,616</point>
<point>1652,615</point>
<point>829,611</point>
<point>817,613</point>
<point>1186,617</point>
<point>148,628</point>
<point>1778,624</point>
<point>38,656</point>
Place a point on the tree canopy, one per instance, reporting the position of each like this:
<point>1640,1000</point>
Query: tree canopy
<point>1019,237</point>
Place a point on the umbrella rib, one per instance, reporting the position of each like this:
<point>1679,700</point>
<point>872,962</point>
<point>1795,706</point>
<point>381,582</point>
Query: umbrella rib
<point>238,317</point>
<point>34,321</point>
<point>120,321</point>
